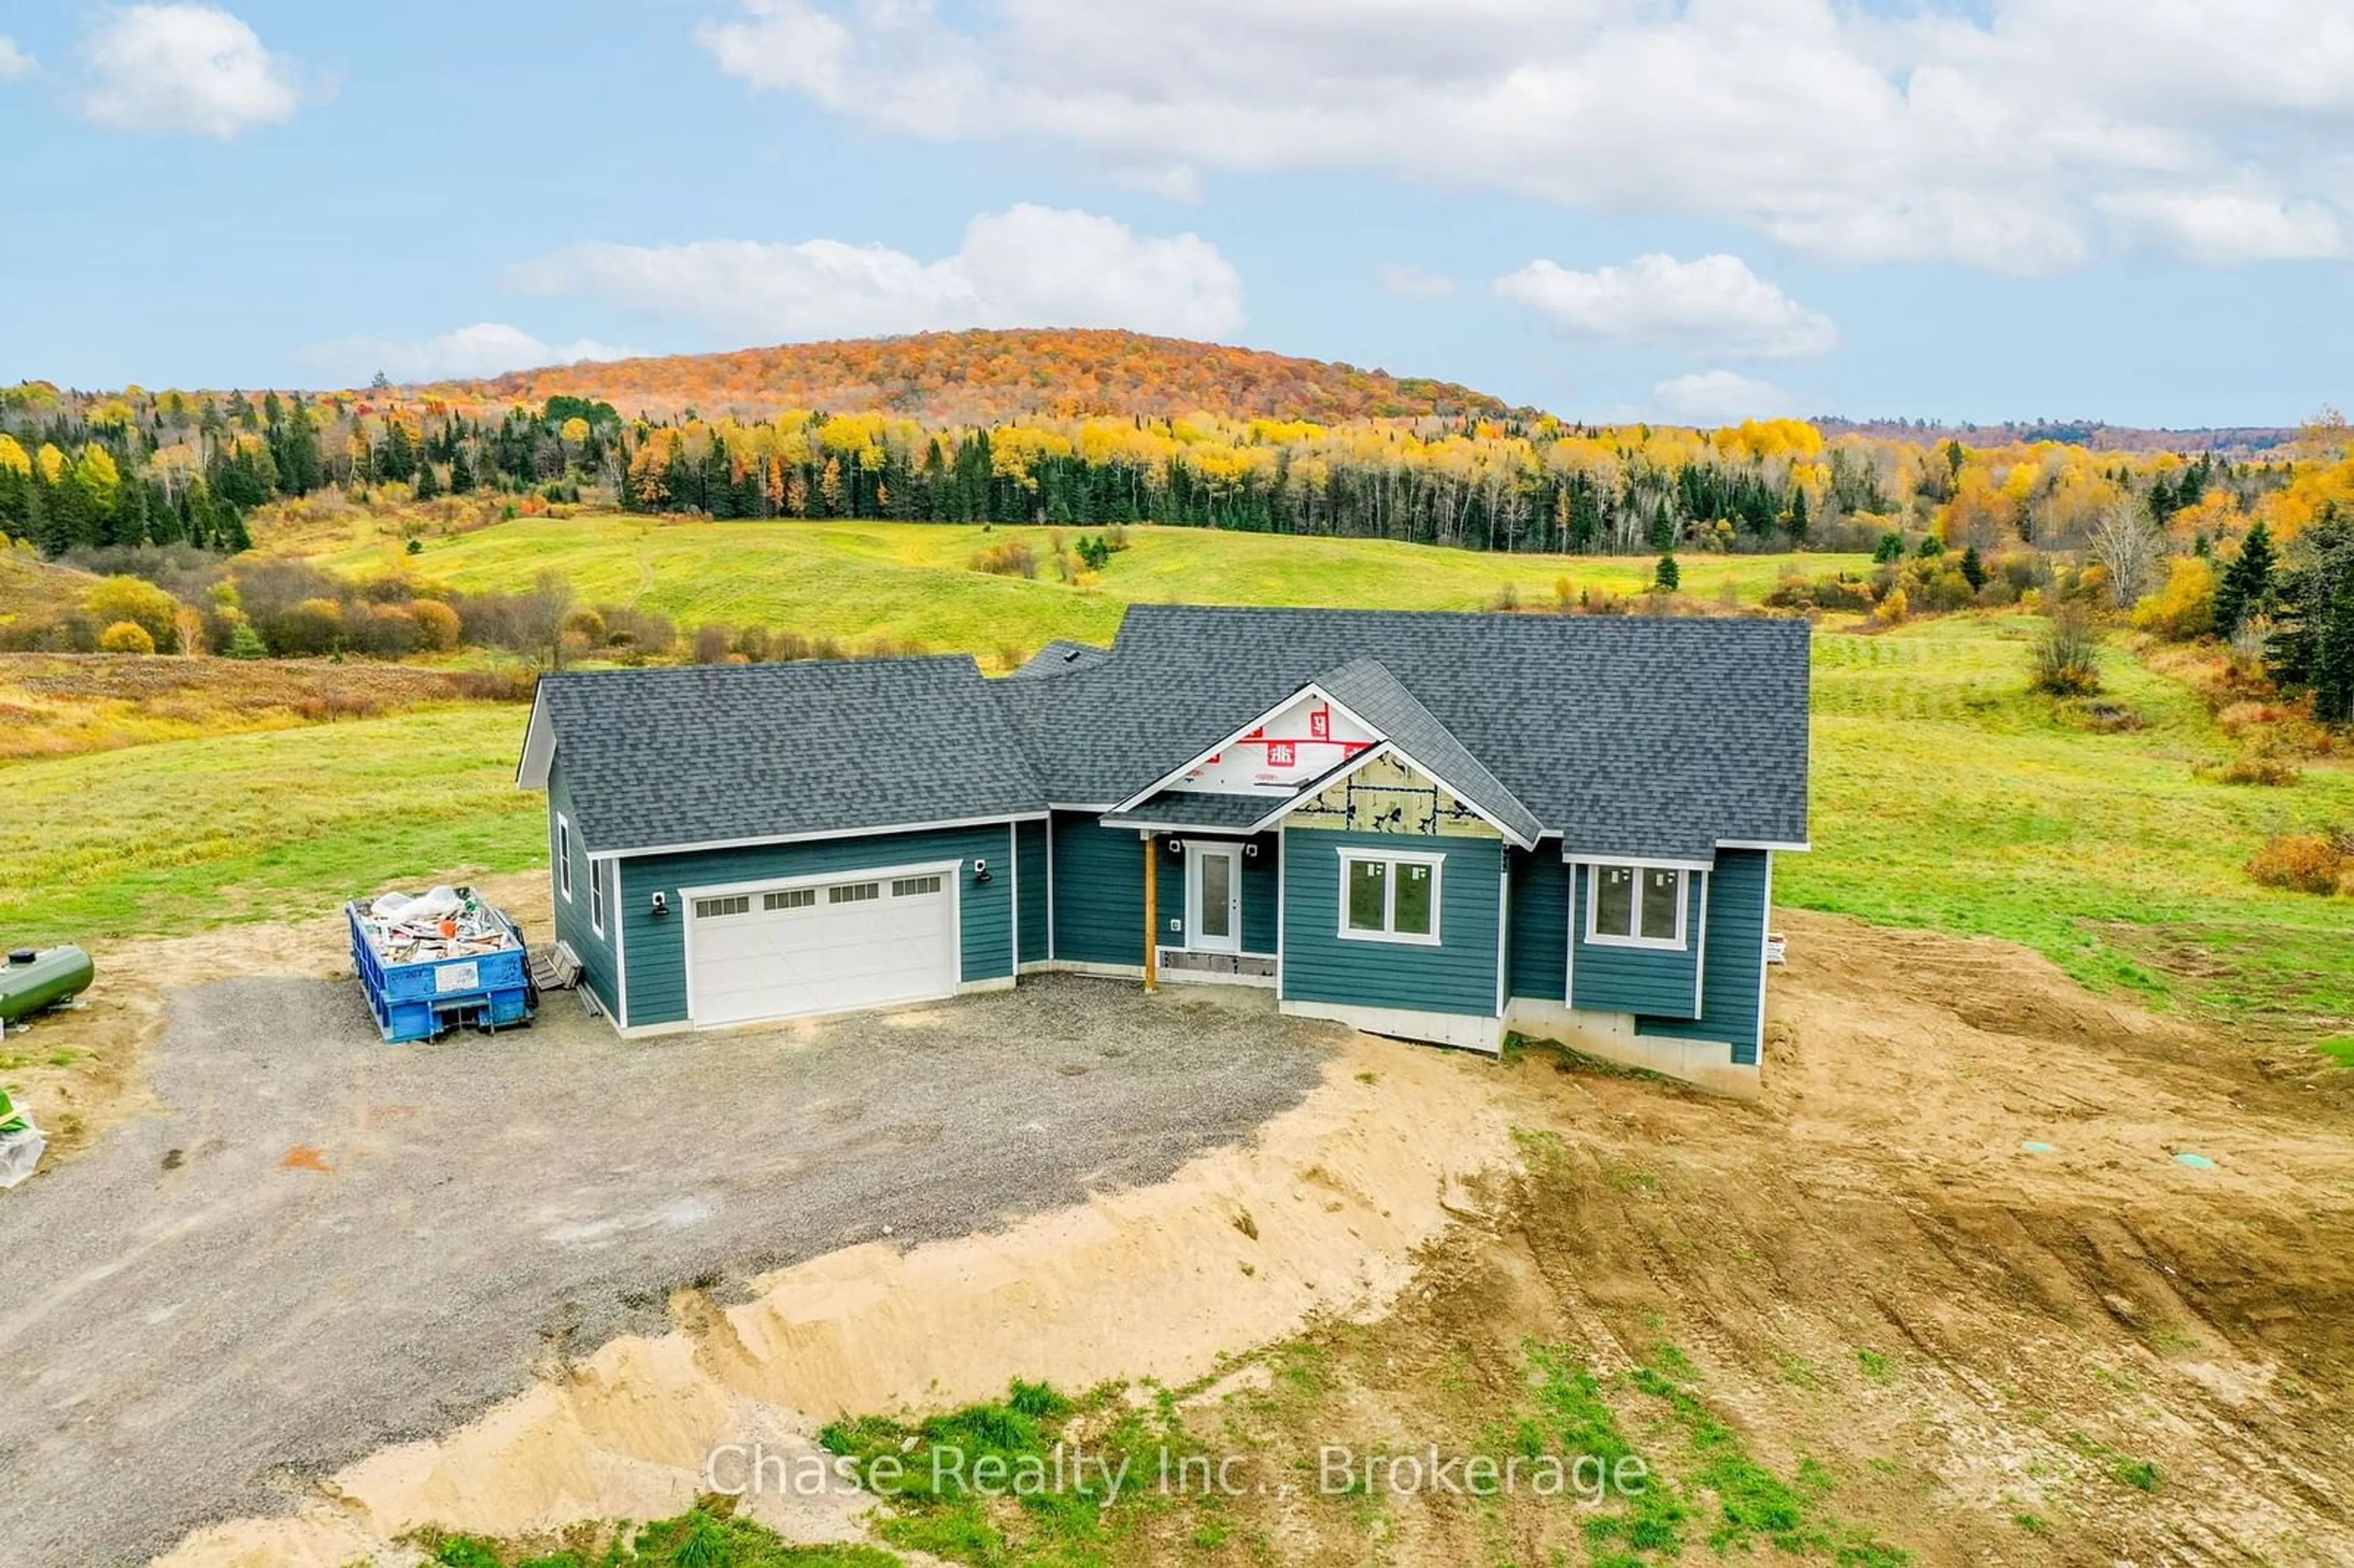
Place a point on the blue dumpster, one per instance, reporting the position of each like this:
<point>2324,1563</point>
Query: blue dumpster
<point>422,989</point>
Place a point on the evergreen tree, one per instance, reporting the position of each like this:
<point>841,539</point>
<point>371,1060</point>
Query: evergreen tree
<point>229,535</point>
<point>429,481</point>
<point>2313,649</point>
<point>1974,570</point>
<point>399,463</point>
<point>1799,520</point>
<point>462,473</point>
<point>2247,589</point>
<point>1667,577</point>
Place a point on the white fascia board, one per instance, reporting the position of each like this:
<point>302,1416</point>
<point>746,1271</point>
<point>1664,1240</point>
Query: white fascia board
<point>1185,830</point>
<point>1389,748</point>
<point>1800,847</point>
<point>538,746</point>
<point>1311,689</point>
<point>1639,861</point>
<point>768,839</point>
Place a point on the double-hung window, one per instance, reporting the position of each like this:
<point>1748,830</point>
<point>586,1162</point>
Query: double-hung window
<point>1637,905</point>
<point>1389,897</point>
<point>564,857</point>
<point>597,897</point>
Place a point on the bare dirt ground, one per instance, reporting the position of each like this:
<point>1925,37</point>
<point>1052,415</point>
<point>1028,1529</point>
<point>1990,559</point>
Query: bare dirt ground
<point>1960,1347</point>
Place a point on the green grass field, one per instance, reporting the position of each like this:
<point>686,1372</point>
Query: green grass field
<point>162,839</point>
<point>856,581</point>
<point>1945,795</point>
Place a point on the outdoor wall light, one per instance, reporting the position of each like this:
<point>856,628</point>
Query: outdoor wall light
<point>661,902</point>
<point>1176,846</point>
<point>1251,850</point>
<point>980,871</point>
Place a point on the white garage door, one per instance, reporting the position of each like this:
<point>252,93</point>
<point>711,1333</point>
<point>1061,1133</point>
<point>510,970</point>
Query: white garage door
<point>823,947</point>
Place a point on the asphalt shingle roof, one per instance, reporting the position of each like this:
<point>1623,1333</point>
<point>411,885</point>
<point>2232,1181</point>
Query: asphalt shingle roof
<point>1636,736</point>
<point>1196,809</point>
<point>1366,688</point>
<point>713,754</point>
<point>1060,657</point>
<point>1633,735</point>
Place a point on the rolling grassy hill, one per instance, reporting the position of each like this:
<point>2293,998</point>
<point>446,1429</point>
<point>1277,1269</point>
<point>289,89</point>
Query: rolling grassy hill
<point>965,376</point>
<point>1944,796</point>
<point>35,588</point>
<point>915,582</point>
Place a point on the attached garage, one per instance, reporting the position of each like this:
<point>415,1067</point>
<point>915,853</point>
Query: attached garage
<point>811,946</point>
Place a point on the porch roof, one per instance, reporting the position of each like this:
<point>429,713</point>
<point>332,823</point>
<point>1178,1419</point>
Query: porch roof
<point>1198,811</point>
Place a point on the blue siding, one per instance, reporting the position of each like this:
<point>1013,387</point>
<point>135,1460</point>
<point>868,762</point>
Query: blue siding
<point>1652,980</point>
<point>597,970</point>
<point>1169,894</point>
<point>1098,892</point>
<point>1320,965</point>
<point>1261,892</point>
<point>656,946</point>
<point>1538,947</point>
<point>1738,914</point>
<point>1036,892</point>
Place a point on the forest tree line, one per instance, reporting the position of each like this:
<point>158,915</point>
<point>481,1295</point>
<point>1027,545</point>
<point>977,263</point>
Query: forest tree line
<point>89,471</point>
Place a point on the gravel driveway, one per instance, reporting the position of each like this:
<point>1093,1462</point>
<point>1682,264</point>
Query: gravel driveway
<point>325,1245</point>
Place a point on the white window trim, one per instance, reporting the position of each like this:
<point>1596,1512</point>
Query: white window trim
<point>1677,944</point>
<point>564,856</point>
<point>1350,855</point>
<point>597,897</point>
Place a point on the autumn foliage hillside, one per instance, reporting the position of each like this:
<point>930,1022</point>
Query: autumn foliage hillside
<point>966,377</point>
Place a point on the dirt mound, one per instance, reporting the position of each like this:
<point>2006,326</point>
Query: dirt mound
<point>1948,1287</point>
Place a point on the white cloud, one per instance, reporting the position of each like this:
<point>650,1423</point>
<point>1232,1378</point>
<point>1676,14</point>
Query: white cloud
<point>14,61</point>
<point>2227,228</point>
<point>1714,305</point>
<point>485,348</point>
<point>1029,266</point>
<point>1408,281</point>
<point>1992,132</point>
<point>1718,398</point>
<point>195,69</point>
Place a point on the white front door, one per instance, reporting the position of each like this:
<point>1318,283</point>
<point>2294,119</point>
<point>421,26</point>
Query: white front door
<point>1214,896</point>
<point>866,939</point>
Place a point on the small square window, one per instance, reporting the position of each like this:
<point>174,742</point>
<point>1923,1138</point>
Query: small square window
<point>720,908</point>
<point>914,886</point>
<point>854,892</point>
<point>789,898</point>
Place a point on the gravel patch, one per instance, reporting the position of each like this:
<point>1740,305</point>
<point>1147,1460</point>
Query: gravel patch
<point>325,1244</point>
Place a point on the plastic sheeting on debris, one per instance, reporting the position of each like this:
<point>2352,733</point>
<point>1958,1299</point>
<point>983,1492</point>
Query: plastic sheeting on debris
<point>444,923</point>
<point>21,1143</point>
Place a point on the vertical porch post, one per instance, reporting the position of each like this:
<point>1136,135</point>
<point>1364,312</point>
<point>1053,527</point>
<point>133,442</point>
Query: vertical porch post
<point>1151,912</point>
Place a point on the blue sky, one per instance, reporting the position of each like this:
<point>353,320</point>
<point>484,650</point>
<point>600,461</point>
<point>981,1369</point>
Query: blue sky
<point>1607,208</point>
